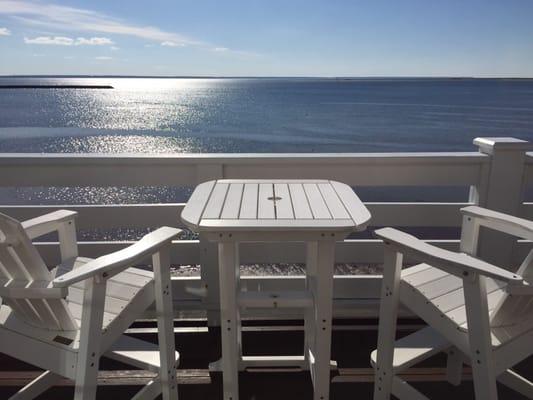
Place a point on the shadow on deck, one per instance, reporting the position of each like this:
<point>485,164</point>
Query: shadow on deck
<point>352,343</point>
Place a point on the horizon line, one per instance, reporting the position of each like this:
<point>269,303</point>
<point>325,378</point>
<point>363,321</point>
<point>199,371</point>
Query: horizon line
<point>341,77</point>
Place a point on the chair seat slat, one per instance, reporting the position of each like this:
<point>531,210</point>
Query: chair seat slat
<point>46,315</point>
<point>112,304</point>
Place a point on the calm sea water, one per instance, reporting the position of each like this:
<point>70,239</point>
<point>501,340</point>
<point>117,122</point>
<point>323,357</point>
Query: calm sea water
<point>261,115</point>
<point>254,115</point>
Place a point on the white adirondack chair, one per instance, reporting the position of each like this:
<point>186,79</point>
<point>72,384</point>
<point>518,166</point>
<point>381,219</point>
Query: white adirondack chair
<point>480,314</point>
<point>65,319</point>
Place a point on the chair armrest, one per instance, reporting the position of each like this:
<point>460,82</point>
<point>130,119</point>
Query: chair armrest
<point>459,264</point>
<point>47,223</point>
<point>119,260</point>
<point>501,222</point>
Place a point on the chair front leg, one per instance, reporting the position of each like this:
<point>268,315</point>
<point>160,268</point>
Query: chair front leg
<point>165,324</point>
<point>479,335</point>
<point>388,313</point>
<point>90,339</point>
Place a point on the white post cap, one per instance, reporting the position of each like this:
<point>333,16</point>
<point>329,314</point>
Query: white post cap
<point>488,145</point>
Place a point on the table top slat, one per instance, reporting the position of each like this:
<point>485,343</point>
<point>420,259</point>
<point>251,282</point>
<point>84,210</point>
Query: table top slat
<point>334,204</point>
<point>316,201</point>
<point>249,201</point>
<point>214,206</point>
<point>232,204</point>
<point>265,201</point>
<point>283,201</point>
<point>355,207</point>
<point>196,205</point>
<point>300,202</point>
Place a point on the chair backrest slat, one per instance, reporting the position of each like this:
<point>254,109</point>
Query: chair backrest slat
<point>22,264</point>
<point>45,313</point>
<point>10,265</point>
<point>63,315</point>
<point>25,260</point>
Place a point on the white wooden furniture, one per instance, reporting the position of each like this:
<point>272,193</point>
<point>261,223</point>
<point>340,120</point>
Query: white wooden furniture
<point>65,319</point>
<point>318,212</point>
<point>479,313</point>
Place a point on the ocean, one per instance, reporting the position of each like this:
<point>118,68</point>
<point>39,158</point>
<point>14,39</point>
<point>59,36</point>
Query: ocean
<point>164,115</point>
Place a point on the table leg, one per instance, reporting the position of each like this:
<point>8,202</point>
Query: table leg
<point>310,285</point>
<point>230,318</point>
<point>323,313</point>
<point>209,274</point>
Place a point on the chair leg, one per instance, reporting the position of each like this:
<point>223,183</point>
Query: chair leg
<point>90,338</point>
<point>479,337</point>
<point>516,382</point>
<point>165,324</point>
<point>388,312</point>
<point>39,385</point>
<point>454,366</point>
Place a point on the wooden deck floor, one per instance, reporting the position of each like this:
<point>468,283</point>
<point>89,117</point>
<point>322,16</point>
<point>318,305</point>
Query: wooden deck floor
<point>352,343</point>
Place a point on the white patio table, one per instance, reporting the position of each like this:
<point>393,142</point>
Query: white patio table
<point>317,212</point>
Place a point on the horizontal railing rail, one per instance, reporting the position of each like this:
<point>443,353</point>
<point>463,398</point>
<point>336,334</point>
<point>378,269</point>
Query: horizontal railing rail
<point>377,169</point>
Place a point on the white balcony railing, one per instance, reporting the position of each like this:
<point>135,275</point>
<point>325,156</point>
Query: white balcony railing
<point>498,174</point>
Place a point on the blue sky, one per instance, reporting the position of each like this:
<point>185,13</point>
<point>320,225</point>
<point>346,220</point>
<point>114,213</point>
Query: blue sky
<point>268,38</point>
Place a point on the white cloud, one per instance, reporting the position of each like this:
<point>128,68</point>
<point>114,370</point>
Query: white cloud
<point>5,32</point>
<point>77,19</point>
<point>170,43</point>
<point>94,41</point>
<point>114,48</point>
<point>67,41</point>
<point>232,52</point>
<point>48,40</point>
<point>103,58</point>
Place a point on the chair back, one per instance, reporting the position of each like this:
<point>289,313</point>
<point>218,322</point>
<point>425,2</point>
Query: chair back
<point>22,267</point>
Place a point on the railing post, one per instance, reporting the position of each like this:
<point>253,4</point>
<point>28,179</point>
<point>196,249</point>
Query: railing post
<point>209,253</point>
<point>502,190</point>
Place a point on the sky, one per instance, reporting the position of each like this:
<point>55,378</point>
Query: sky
<point>357,38</point>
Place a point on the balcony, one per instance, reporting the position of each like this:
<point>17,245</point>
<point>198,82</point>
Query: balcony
<point>496,174</point>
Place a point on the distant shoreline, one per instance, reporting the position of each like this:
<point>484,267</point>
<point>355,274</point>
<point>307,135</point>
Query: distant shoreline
<point>56,87</point>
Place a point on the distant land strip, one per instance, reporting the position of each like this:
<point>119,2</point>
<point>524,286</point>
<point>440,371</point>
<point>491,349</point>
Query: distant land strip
<point>56,87</point>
